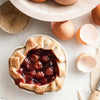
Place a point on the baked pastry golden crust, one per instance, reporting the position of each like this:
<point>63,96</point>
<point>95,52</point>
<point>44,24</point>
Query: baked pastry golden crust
<point>45,78</point>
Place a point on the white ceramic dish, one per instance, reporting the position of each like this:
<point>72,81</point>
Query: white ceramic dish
<point>50,11</point>
<point>24,46</point>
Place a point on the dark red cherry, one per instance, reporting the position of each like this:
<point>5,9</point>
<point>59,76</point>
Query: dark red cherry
<point>30,82</point>
<point>45,58</point>
<point>50,63</point>
<point>28,77</point>
<point>33,73</point>
<point>21,70</point>
<point>44,81</point>
<point>49,71</point>
<point>40,75</point>
<point>19,80</point>
<point>50,79</point>
<point>34,57</point>
<point>56,69</point>
<point>38,65</point>
<point>25,62</point>
<point>25,71</point>
<point>27,66</point>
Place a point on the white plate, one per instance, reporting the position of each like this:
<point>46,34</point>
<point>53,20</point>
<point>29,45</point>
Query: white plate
<point>50,11</point>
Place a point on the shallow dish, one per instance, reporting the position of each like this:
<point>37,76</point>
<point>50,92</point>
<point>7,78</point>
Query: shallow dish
<point>43,47</point>
<point>50,11</point>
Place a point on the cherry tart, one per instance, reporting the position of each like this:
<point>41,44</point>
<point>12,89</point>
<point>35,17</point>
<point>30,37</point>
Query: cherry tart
<point>40,66</point>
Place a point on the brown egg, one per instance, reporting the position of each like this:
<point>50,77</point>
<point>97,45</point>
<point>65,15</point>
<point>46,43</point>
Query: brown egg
<point>87,34</point>
<point>86,62</point>
<point>96,15</point>
<point>63,30</point>
<point>66,2</point>
<point>39,0</point>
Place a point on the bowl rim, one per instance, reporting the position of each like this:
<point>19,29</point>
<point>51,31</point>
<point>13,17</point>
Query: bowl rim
<point>54,17</point>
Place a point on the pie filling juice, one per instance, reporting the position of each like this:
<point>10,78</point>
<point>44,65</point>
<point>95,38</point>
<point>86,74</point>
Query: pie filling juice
<point>39,67</point>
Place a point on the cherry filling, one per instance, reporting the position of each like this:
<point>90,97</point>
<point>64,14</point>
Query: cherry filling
<point>39,67</point>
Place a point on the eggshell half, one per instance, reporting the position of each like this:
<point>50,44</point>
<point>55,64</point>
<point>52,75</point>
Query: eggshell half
<point>64,30</point>
<point>87,34</point>
<point>66,2</point>
<point>86,62</point>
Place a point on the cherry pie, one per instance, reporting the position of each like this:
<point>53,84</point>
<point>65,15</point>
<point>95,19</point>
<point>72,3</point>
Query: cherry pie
<point>40,66</point>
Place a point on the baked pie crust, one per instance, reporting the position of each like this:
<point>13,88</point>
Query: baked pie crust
<point>19,55</point>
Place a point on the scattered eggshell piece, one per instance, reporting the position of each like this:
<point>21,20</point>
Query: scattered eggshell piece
<point>86,62</point>
<point>66,2</point>
<point>96,15</point>
<point>39,0</point>
<point>11,19</point>
<point>87,34</point>
<point>64,30</point>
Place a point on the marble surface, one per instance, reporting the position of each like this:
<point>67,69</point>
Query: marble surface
<point>74,80</point>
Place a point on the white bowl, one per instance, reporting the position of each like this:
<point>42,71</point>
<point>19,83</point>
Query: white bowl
<point>50,11</point>
<point>24,46</point>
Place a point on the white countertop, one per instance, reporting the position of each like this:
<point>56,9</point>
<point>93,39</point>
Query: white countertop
<point>74,80</point>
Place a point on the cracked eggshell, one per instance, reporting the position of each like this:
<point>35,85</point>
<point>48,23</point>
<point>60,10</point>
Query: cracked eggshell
<point>87,34</point>
<point>86,62</point>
